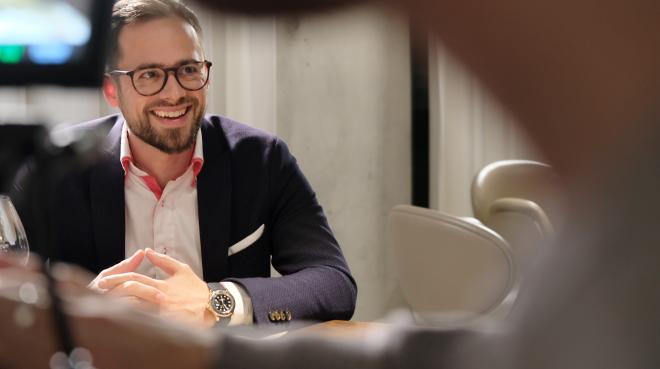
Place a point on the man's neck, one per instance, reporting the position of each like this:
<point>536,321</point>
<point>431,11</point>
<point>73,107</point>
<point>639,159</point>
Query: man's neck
<point>162,166</point>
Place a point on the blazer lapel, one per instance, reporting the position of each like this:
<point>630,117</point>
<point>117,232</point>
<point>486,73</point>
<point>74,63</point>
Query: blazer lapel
<point>214,202</point>
<point>107,202</point>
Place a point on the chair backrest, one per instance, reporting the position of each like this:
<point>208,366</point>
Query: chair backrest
<point>521,200</point>
<point>450,269</point>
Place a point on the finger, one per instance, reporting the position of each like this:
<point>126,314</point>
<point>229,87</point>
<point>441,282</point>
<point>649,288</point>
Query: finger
<point>127,265</point>
<point>168,264</point>
<point>113,281</point>
<point>139,290</point>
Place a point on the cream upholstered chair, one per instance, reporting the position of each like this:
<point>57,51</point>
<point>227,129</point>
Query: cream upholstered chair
<point>522,201</point>
<point>451,270</point>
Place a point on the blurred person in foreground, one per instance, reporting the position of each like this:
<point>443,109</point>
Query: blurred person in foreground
<point>185,212</point>
<point>583,78</point>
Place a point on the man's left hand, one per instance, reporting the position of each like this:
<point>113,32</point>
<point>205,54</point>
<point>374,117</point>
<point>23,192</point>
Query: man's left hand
<point>184,295</point>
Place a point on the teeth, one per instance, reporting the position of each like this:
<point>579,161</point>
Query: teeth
<point>170,114</point>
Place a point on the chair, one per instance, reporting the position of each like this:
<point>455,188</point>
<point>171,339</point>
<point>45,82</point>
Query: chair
<point>451,270</point>
<point>521,200</point>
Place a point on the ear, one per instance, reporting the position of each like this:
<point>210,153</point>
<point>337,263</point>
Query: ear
<point>110,91</point>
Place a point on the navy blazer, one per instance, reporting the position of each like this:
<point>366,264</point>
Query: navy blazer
<point>249,178</point>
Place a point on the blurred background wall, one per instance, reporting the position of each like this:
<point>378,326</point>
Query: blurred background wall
<point>336,88</point>
<point>468,129</point>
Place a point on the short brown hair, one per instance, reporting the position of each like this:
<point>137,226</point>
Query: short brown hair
<point>127,12</point>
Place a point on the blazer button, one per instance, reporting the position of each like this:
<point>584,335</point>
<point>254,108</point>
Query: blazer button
<point>274,316</point>
<point>288,315</point>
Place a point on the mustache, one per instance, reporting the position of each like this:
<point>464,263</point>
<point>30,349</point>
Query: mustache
<point>165,104</point>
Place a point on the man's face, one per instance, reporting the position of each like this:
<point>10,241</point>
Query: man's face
<point>170,119</point>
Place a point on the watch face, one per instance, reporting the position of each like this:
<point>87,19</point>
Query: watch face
<point>222,303</point>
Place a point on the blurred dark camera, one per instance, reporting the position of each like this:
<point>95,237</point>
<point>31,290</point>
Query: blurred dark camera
<point>47,42</point>
<point>55,42</point>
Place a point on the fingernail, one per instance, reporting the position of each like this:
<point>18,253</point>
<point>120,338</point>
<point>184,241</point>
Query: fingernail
<point>160,296</point>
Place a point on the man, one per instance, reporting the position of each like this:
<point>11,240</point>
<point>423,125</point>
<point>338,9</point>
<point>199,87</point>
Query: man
<point>587,87</point>
<point>209,199</point>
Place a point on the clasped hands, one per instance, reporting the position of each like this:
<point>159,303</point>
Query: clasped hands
<point>182,296</point>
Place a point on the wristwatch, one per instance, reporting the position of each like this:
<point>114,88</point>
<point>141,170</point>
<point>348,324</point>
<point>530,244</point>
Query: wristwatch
<point>221,303</point>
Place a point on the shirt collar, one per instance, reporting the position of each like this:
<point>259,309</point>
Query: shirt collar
<point>126,158</point>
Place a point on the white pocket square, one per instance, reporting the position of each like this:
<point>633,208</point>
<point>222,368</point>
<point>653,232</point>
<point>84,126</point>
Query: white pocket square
<point>247,241</point>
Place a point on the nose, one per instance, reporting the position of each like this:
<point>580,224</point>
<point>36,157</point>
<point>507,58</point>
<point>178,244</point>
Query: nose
<point>172,91</point>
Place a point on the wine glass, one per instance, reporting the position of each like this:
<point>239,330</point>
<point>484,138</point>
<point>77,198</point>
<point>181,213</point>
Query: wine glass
<point>13,239</point>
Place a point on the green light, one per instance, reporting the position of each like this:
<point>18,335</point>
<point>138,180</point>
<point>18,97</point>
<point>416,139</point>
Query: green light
<point>11,54</point>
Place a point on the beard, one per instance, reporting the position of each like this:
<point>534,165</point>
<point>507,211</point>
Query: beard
<point>173,140</point>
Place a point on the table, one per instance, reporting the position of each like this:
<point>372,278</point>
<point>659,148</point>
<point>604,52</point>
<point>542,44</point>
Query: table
<point>340,328</point>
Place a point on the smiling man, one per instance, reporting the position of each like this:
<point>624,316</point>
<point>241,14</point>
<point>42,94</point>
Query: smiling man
<point>185,211</point>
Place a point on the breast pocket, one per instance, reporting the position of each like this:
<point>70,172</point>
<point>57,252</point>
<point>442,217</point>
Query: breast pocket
<point>246,242</point>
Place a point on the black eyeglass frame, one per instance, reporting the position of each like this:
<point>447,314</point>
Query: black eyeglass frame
<point>167,71</point>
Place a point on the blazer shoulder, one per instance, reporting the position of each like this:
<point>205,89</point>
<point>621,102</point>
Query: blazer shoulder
<point>241,138</point>
<point>238,133</point>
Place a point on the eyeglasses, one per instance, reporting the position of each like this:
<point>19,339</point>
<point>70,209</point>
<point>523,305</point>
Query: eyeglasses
<point>150,81</point>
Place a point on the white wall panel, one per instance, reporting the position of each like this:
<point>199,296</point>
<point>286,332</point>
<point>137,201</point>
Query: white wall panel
<point>468,130</point>
<point>343,106</point>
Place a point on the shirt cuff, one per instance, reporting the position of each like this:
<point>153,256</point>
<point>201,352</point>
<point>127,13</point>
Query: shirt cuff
<point>242,304</point>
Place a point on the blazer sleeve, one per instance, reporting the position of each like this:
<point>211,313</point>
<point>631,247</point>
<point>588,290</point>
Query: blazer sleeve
<point>316,283</point>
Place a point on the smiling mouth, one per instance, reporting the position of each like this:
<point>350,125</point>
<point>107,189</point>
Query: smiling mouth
<point>170,114</point>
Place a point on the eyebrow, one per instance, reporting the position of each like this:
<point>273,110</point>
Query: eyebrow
<point>159,65</point>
